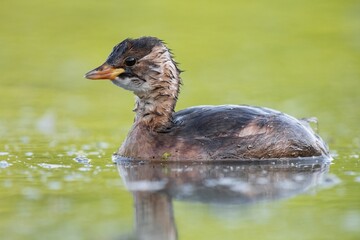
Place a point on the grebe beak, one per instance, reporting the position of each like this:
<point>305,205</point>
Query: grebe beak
<point>105,71</point>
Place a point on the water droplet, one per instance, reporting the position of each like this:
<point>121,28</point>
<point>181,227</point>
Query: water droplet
<point>82,159</point>
<point>115,158</point>
<point>4,164</point>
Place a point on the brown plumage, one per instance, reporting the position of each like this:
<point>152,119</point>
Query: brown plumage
<point>146,67</point>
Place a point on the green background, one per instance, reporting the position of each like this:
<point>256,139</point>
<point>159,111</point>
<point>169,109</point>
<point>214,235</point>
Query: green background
<point>300,57</point>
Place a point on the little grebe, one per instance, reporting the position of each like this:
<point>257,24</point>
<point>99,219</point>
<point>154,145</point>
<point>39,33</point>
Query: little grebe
<point>146,67</point>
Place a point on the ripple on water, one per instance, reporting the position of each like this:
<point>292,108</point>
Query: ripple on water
<point>29,154</point>
<point>85,169</point>
<point>148,186</point>
<point>350,173</point>
<point>31,193</point>
<point>54,185</point>
<point>52,166</point>
<point>73,177</point>
<point>103,145</point>
<point>82,159</point>
<point>4,164</point>
<point>357,179</point>
<point>329,181</point>
<point>351,221</point>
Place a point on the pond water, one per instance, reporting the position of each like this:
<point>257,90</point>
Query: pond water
<point>58,131</point>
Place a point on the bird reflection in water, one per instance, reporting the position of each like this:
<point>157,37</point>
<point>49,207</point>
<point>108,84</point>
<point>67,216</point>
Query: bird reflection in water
<point>155,184</point>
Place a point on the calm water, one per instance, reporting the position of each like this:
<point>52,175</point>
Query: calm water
<point>58,131</point>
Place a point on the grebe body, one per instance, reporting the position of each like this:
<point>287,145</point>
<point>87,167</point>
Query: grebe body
<point>227,132</point>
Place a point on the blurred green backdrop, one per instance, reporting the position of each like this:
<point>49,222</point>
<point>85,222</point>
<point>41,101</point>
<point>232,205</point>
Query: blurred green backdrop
<point>300,57</point>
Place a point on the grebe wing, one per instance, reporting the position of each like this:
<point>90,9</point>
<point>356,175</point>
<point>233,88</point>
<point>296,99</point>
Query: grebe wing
<point>238,131</point>
<point>221,121</point>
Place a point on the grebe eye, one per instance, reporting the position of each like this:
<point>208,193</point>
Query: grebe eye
<point>130,61</point>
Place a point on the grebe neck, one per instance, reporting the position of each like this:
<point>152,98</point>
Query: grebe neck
<point>155,107</point>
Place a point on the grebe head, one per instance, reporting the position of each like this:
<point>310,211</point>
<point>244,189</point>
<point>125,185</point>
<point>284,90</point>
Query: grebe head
<point>142,65</point>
